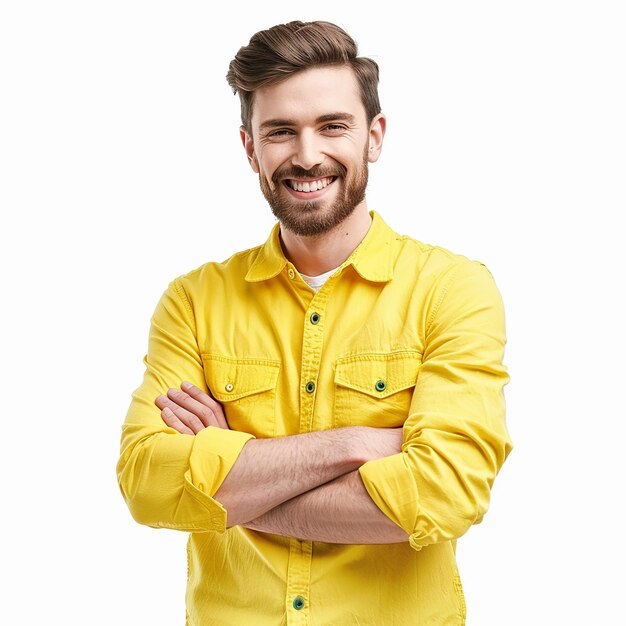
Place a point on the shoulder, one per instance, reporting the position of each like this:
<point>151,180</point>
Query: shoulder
<point>436,263</point>
<point>451,283</point>
<point>213,273</point>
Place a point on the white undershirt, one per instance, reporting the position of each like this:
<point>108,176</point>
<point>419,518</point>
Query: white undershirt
<point>316,282</point>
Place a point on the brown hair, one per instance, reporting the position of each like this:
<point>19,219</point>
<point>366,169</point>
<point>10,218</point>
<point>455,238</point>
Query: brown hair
<point>277,53</point>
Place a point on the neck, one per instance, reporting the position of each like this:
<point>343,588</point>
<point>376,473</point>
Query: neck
<point>315,255</point>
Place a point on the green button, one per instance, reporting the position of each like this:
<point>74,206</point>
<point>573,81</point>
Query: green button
<point>381,385</point>
<point>310,387</point>
<point>298,603</point>
<point>315,318</point>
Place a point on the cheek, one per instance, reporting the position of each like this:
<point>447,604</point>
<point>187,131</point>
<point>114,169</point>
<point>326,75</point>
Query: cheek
<point>265,175</point>
<point>267,167</point>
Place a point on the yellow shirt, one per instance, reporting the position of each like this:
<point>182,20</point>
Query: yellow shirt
<point>401,333</point>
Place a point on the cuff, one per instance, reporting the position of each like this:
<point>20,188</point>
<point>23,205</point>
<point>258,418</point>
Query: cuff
<point>213,455</point>
<point>390,484</point>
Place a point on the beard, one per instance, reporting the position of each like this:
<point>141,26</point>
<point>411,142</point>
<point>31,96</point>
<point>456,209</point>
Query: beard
<point>310,219</point>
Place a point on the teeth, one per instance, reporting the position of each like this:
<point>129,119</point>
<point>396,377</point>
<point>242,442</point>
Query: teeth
<point>310,186</point>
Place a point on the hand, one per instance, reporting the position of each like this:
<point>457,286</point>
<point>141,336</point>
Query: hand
<point>189,410</point>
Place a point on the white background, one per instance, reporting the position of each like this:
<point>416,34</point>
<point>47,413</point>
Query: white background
<point>121,168</point>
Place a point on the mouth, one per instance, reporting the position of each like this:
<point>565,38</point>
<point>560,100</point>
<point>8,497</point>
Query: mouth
<point>309,186</point>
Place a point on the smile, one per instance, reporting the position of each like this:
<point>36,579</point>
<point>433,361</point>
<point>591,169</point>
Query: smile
<point>309,185</point>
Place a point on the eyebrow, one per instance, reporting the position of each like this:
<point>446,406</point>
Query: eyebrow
<point>327,117</point>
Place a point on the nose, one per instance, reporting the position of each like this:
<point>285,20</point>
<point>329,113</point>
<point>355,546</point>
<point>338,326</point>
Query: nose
<point>308,150</point>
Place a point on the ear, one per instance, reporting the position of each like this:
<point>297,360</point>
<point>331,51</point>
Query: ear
<point>377,134</point>
<point>248,145</point>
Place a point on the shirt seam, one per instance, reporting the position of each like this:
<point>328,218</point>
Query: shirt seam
<point>444,293</point>
<point>182,294</point>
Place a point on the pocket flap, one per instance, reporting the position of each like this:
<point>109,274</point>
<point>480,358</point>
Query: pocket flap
<point>378,375</point>
<point>230,379</point>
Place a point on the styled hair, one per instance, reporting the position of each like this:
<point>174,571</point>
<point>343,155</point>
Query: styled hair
<point>277,53</point>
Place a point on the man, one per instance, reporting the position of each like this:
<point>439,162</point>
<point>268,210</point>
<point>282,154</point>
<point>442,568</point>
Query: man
<point>323,413</point>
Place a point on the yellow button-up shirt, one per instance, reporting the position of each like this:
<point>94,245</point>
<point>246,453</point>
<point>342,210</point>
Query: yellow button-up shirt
<point>402,333</point>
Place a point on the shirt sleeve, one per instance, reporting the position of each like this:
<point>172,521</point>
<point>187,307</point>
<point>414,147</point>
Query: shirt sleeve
<point>168,478</point>
<point>455,436</point>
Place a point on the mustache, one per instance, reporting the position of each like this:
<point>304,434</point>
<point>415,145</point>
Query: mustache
<point>295,171</point>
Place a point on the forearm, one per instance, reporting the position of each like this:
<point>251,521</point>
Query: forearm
<point>340,511</point>
<point>269,472</point>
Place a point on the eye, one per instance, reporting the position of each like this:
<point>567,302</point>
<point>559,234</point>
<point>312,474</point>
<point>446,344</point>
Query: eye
<point>280,132</point>
<point>334,129</point>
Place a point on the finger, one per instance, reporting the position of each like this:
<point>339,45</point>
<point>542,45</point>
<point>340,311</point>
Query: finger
<point>173,422</point>
<point>201,411</point>
<point>199,395</point>
<point>188,418</point>
<point>216,408</point>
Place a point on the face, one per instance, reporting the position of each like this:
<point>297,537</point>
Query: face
<point>311,145</point>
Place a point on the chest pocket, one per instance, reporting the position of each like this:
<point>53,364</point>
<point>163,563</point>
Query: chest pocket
<point>246,388</point>
<point>375,389</point>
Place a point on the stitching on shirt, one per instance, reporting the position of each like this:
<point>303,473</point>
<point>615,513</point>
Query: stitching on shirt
<point>182,294</point>
<point>240,361</point>
<point>395,355</point>
<point>469,263</point>
<point>444,293</point>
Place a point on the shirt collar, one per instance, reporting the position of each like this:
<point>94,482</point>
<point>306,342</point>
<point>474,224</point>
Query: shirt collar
<point>270,261</point>
<point>372,258</point>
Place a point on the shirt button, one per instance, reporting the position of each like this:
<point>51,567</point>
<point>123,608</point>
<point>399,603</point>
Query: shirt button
<point>310,387</point>
<point>298,603</point>
<point>315,318</point>
<point>291,273</point>
<point>381,385</point>
<point>229,387</point>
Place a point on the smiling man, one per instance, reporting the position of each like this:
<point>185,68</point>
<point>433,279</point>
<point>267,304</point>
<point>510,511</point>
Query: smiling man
<point>323,413</point>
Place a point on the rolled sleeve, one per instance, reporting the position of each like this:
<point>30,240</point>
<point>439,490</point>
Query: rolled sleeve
<point>455,437</point>
<point>168,479</point>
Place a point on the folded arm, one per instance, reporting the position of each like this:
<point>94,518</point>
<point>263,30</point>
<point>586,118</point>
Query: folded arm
<point>270,474</point>
<point>341,511</point>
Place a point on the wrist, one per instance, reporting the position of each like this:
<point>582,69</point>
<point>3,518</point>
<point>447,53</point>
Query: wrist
<point>358,449</point>
<point>369,444</point>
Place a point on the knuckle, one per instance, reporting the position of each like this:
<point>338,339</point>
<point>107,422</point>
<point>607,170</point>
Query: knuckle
<point>181,414</point>
<point>197,424</point>
<point>205,414</point>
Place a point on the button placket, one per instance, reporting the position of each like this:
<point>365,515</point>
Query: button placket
<point>298,582</point>
<point>312,342</point>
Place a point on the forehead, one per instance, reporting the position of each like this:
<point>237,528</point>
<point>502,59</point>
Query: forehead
<point>309,94</point>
